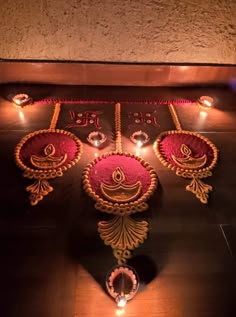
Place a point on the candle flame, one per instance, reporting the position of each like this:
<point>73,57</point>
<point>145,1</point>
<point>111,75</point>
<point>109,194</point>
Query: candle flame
<point>121,302</point>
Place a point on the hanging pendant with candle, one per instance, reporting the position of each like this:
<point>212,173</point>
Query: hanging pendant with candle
<point>190,154</point>
<point>120,184</point>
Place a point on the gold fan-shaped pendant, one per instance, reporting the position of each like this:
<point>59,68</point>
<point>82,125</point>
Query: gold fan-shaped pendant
<point>123,234</point>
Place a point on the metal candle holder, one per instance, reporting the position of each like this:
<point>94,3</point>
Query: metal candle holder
<point>96,138</point>
<point>22,100</point>
<point>139,138</point>
<point>122,284</point>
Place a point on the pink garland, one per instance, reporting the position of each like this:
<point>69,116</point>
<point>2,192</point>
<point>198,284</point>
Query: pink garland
<point>86,101</point>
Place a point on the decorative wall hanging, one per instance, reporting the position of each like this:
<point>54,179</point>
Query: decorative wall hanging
<point>120,183</point>
<point>190,154</point>
<point>47,154</point>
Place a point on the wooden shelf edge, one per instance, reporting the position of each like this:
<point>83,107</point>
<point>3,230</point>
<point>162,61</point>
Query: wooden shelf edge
<point>112,74</point>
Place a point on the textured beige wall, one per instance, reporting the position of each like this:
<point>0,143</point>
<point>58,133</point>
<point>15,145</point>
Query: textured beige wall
<point>124,30</point>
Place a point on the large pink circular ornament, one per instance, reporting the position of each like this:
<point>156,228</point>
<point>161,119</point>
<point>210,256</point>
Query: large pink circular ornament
<point>46,154</point>
<point>120,183</point>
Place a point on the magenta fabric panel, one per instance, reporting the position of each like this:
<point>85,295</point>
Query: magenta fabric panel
<point>36,144</point>
<point>171,145</point>
<point>133,170</point>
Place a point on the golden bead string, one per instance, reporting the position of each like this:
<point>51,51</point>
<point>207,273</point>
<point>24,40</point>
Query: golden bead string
<point>118,128</point>
<point>175,117</point>
<point>55,116</point>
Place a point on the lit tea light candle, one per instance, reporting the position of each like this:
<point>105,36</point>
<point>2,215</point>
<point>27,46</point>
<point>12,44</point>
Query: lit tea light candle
<point>206,102</point>
<point>122,284</point>
<point>21,100</point>
<point>139,138</point>
<point>96,138</point>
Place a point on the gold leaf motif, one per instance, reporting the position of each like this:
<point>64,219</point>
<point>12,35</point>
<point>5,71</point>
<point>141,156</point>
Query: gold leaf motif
<point>123,233</point>
<point>118,176</point>
<point>185,150</point>
<point>49,150</point>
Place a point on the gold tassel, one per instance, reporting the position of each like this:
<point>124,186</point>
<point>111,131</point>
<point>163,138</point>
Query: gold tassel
<point>200,189</point>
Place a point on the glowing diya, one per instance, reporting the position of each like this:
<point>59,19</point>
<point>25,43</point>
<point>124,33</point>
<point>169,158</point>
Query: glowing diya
<point>122,283</point>
<point>96,138</point>
<point>190,154</point>
<point>120,183</point>
<point>22,100</point>
<point>139,138</point>
<point>47,154</point>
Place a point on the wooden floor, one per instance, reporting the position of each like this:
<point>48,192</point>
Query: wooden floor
<point>52,261</point>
